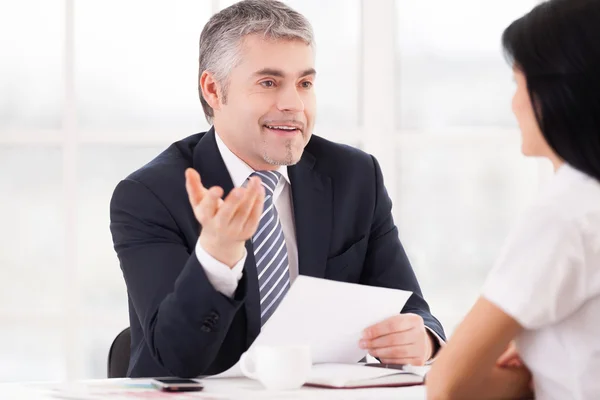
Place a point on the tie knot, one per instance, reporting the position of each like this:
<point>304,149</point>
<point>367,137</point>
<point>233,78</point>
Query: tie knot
<point>269,179</point>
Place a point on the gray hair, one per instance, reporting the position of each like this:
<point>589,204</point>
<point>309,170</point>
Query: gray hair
<point>221,38</point>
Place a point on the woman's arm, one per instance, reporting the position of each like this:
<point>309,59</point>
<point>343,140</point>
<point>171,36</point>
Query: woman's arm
<point>466,367</point>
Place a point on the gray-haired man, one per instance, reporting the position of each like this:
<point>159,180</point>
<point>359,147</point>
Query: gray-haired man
<point>212,233</point>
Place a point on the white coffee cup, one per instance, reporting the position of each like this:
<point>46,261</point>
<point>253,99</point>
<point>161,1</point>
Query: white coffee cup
<point>278,367</point>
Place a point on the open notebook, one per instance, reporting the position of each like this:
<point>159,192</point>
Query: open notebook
<point>344,376</point>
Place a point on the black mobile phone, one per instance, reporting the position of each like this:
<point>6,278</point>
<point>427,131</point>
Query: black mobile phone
<point>177,384</point>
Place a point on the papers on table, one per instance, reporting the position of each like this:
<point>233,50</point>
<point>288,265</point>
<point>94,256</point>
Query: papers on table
<point>329,316</point>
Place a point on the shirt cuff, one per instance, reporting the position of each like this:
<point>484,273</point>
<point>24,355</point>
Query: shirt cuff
<point>224,279</point>
<point>440,342</point>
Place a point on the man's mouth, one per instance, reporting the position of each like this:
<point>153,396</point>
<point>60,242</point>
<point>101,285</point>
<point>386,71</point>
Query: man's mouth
<point>283,128</point>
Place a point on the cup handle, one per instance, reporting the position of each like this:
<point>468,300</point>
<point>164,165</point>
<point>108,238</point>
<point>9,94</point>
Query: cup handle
<point>244,366</point>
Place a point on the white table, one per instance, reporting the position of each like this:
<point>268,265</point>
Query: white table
<point>234,388</point>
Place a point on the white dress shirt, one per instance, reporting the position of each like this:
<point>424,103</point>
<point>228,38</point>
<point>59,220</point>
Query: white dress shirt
<point>225,279</point>
<point>548,279</point>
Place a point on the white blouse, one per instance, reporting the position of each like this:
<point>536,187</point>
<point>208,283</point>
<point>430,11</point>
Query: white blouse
<point>548,279</point>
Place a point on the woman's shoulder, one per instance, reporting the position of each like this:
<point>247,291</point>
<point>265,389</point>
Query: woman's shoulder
<point>571,198</point>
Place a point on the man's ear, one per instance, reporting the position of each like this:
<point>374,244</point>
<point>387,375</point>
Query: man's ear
<point>211,90</point>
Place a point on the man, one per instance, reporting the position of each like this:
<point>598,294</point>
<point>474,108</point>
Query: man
<point>211,234</point>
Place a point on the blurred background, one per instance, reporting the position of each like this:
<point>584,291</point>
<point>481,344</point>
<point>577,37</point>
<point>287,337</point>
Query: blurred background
<point>91,90</point>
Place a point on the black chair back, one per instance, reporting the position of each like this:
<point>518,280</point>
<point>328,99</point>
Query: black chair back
<point>118,355</point>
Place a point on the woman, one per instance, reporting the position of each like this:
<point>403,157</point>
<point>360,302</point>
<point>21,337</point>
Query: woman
<point>544,291</point>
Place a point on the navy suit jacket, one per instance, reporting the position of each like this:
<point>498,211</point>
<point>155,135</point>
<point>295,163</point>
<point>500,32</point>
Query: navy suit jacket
<point>180,325</point>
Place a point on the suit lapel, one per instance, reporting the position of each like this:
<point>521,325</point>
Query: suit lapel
<point>209,163</point>
<point>213,172</point>
<point>312,198</point>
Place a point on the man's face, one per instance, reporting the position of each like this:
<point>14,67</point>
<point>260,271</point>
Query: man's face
<point>269,112</point>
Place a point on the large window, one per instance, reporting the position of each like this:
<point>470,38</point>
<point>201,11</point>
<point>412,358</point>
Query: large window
<point>450,67</point>
<point>140,75</point>
<point>92,90</point>
<point>460,177</point>
<point>32,65</point>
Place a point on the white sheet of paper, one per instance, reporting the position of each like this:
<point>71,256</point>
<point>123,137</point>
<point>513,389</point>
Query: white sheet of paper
<point>329,316</point>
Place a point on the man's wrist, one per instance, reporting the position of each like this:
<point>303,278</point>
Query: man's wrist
<point>229,254</point>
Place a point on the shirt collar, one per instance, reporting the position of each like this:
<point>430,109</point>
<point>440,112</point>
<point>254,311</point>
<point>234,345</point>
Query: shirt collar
<point>237,168</point>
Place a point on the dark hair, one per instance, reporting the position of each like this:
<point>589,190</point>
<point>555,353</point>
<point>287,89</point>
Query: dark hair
<point>557,47</point>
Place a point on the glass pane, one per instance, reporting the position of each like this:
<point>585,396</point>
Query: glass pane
<point>31,352</point>
<point>31,70</point>
<point>455,204</point>
<point>337,60</point>
<point>137,65</point>
<point>103,290</point>
<point>32,230</point>
<point>451,71</point>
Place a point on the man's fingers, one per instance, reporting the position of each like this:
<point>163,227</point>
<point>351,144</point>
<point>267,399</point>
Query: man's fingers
<point>246,206</point>
<point>194,186</point>
<point>216,192</point>
<point>395,324</point>
<point>408,351</point>
<point>206,210</point>
<point>230,206</point>
<point>256,210</point>
<point>394,339</point>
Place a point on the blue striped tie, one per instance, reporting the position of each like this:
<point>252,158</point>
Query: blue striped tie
<point>270,251</point>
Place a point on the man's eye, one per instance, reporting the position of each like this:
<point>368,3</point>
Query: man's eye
<point>307,84</point>
<point>267,83</point>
